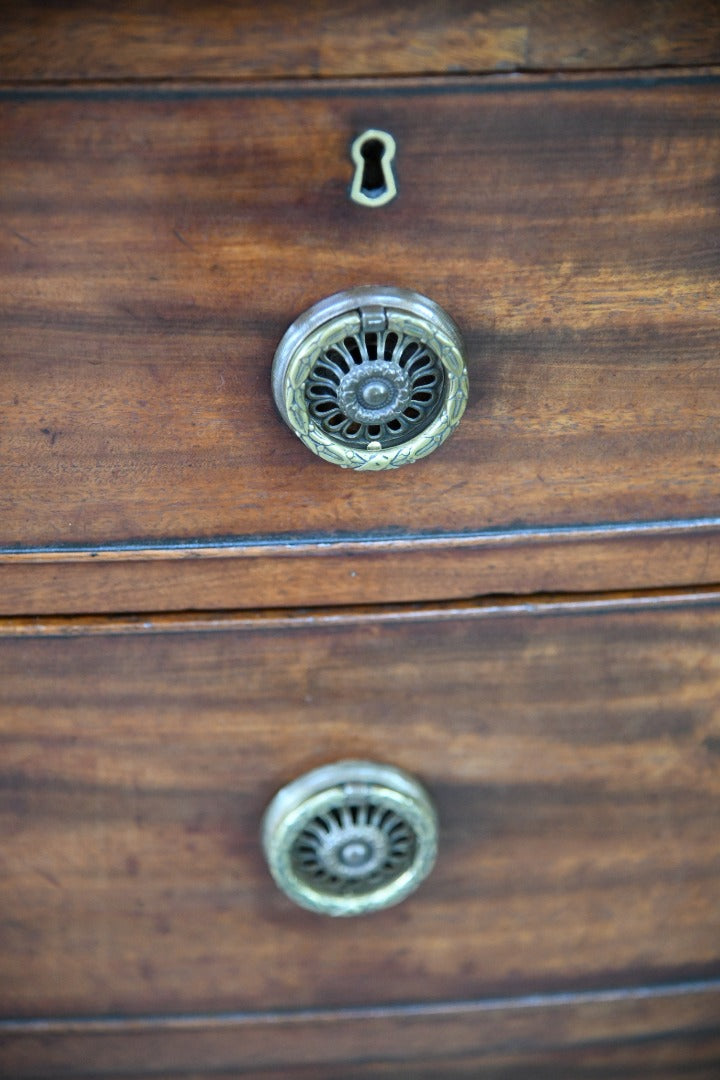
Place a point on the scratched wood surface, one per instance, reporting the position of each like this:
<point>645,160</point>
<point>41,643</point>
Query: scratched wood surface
<point>157,243</point>
<point>183,39</point>
<point>668,1032</point>
<point>364,573</point>
<point>571,748</point>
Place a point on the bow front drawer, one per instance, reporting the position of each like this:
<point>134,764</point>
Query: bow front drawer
<point>570,750</point>
<point>160,240</point>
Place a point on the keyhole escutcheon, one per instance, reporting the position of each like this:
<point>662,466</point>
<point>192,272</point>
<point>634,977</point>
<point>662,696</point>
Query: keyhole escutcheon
<point>374,180</point>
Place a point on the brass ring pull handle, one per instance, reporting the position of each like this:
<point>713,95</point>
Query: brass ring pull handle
<point>371,378</point>
<point>350,838</point>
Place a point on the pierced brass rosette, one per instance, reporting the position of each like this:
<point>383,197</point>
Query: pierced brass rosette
<point>350,838</point>
<point>372,378</point>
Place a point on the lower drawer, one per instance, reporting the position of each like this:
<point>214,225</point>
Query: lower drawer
<point>667,1033</point>
<point>571,750</point>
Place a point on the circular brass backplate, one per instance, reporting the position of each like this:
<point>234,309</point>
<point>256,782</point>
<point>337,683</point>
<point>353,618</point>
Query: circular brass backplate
<point>350,838</point>
<point>371,378</point>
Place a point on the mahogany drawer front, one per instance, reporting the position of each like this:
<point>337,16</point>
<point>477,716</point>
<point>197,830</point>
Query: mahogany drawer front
<point>160,240</point>
<point>662,1033</point>
<point>148,40</point>
<point>571,750</point>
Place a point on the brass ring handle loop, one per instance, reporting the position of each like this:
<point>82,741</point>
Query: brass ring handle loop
<point>350,838</point>
<point>372,378</point>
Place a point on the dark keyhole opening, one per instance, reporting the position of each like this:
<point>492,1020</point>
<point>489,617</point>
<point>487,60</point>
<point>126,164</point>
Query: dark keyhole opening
<point>373,177</point>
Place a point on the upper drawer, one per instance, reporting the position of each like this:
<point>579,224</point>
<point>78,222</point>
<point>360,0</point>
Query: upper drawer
<point>157,243</point>
<point>216,39</point>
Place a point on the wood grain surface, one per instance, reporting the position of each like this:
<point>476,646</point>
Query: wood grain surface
<point>174,191</point>
<point>370,572</point>
<point>219,39</point>
<point>572,753</point>
<point>157,242</point>
<point>664,1032</point>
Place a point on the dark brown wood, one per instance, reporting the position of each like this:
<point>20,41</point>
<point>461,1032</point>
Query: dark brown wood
<point>503,1036</point>
<point>694,1057</point>
<point>371,615</point>
<point>650,1061</point>
<point>174,192</point>
<point>183,39</point>
<point>659,1058</point>
<point>371,572</point>
<point>572,753</point>
<point>157,243</point>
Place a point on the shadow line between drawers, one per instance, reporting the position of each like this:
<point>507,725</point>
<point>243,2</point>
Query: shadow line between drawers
<point>81,1046</point>
<point>259,547</point>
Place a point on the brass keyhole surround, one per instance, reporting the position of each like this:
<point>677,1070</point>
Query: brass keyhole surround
<point>373,182</point>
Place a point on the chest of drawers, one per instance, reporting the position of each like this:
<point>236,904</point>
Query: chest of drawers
<point>195,610</point>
